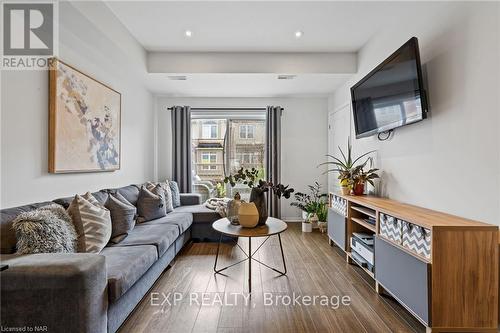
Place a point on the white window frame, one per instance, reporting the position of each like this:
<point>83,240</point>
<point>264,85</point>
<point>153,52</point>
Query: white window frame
<point>208,167</point>
<point>210,154</point>
<point>245,129</point>
<point>206,130</point>
<point>252,157</point>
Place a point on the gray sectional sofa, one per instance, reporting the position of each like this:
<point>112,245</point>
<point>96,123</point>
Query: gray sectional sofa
<point>82,292</point>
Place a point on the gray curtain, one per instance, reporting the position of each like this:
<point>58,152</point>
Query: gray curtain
<point>273,156</point>
<point>181,147</point>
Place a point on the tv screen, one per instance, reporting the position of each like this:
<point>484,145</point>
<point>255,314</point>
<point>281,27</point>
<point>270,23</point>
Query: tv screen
<point>391,95</point>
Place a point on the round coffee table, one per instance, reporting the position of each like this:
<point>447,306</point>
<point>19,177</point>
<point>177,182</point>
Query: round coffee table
<point>272,227</point>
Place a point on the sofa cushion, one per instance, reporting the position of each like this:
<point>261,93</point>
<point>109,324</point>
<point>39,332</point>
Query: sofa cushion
<point>125,266</point>
<point>123,215</point>
<point>201,214</point>
<point>7,234</point>
<point>100,196</point>
<point>182,220</point>
<point>159,235</point>
<point>130,192</point>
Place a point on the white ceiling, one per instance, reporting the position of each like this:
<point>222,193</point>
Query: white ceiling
<point>253,26</point>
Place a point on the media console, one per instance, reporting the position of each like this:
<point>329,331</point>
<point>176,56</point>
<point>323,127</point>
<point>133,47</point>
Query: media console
<point>444,269</point>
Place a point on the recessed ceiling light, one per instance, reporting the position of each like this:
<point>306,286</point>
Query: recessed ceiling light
<point>298,34</point>
<point>177,77</point>
<point>188,33</point>
<point>286,77</point>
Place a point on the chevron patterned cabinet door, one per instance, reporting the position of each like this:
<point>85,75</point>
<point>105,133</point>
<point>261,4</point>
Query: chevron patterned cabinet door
<point>417,239</point>
<point>391,228</point>
<point>339,205</point>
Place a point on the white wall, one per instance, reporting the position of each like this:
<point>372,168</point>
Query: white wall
<point>449,162</point>
<point>92,40</point>
<point>304,133</point>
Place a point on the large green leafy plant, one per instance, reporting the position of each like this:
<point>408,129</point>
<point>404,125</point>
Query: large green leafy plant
<point>349,168</point>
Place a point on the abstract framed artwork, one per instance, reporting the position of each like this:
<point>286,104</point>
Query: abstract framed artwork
<point>84,122</point>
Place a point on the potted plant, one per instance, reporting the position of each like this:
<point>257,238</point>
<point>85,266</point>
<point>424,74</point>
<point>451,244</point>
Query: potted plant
<point>310,203</point>
<point>253,179</point>
<point>361,177</point>
<point>307,226</point>
<point>345,166</point>
<point>322,214</point>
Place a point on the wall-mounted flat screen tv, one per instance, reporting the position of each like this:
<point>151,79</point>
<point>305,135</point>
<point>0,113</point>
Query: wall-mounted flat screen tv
<point>392,95</point>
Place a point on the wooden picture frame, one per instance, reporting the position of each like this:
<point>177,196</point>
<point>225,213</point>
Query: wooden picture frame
<point>84,122</point>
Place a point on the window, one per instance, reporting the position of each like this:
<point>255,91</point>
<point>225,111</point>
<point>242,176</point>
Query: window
<point>222,143</point>
<point>247,131</point>
<point>247,158</point>
<point>208,157</point>
<point>209,130</point>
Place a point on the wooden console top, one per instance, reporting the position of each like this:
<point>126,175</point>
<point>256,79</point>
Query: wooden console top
<point>417,215</point>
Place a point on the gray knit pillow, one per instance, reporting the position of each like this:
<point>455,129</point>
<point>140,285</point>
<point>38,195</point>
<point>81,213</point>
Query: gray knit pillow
<point>123,215</point>
<point>48,229</point>
<point>151,204</point>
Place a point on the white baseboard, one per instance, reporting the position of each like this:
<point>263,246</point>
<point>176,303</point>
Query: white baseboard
<point>292,219</point>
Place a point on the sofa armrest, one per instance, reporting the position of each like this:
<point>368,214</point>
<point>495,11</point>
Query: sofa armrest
<point>189,199</point>
<point>64,292</point>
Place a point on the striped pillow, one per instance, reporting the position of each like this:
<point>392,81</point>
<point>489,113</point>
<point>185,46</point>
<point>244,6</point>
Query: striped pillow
<point>92,223</point>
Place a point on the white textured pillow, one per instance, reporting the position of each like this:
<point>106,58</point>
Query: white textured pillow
<point>92,223</point>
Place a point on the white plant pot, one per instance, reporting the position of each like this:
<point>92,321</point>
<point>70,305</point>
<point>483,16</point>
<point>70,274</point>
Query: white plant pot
<point>307,227</point>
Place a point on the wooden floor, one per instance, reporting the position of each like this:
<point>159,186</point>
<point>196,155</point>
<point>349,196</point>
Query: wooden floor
<point>314,268</point>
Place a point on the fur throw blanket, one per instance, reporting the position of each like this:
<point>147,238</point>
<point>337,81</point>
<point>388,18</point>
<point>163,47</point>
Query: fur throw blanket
<point>218,204</point>
<point>48,229</point>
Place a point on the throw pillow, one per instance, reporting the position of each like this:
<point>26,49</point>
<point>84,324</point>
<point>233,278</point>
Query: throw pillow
<point>123,215</point>
<point>151,204</point>
<point>176,196</point>
<point>93,200</point>
<point>169,204</point>
<point>45,230</point>
<point>92,223</point>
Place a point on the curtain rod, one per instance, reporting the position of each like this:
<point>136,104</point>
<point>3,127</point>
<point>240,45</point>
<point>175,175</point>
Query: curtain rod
<point>226,109</point>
